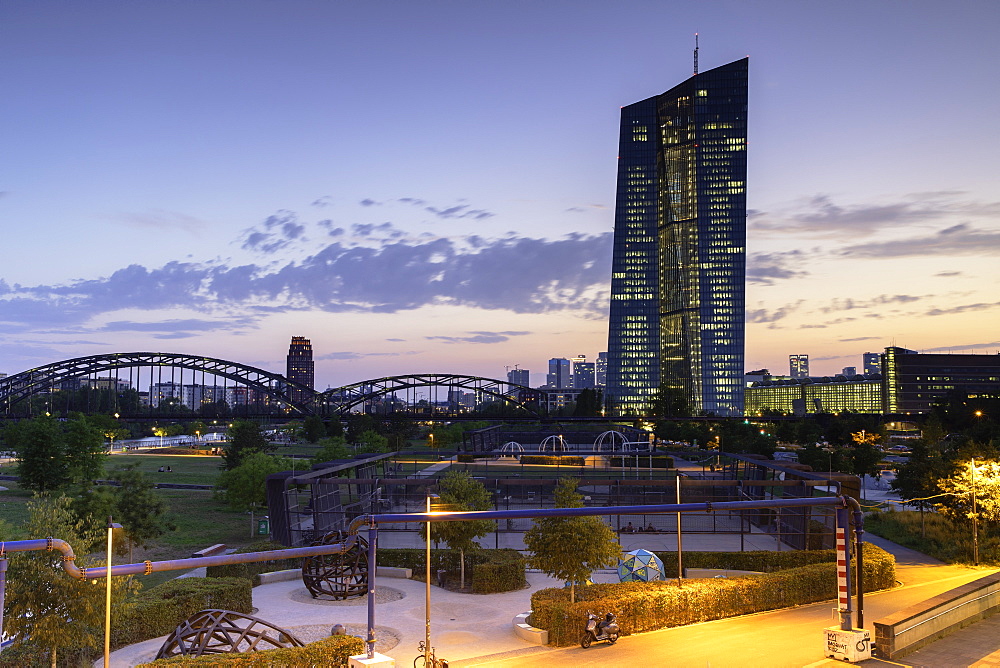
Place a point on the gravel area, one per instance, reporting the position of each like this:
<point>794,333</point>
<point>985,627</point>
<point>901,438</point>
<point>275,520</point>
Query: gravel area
<point>385,638</point>
<point>382,595</point>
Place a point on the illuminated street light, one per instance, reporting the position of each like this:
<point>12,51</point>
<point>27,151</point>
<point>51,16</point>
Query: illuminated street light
<point>431,500</point>
<point>112,527</point>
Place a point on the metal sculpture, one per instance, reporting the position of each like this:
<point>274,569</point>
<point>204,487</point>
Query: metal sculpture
<point>224,632</point>
<point>338,576</point>
<point>640,566</point>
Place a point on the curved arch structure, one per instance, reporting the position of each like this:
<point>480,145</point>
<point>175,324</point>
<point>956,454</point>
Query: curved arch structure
<point>343,399</point>
<point>22,385</point>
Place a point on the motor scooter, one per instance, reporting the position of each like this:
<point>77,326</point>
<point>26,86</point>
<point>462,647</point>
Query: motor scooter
<point>599,630</point>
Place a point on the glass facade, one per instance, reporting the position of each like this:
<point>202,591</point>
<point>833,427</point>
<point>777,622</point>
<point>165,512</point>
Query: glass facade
<point>679,262</point>
<point>299,366</point>
<point>858,394</point>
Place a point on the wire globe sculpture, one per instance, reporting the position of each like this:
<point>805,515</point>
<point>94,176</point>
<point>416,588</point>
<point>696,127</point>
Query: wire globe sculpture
<point>224,632</point>
<point>337,576</point>
<point>556,443</point>
<point>510,447</point>
<point>615,440</point>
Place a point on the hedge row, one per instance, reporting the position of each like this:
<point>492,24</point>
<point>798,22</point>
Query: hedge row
<point>158,611</point>
<point>250,571</point>
<point>332,651</point>
<point>647,606</point>
<point>764,561</point>
<point>569,460</point>
<point>489,571</point>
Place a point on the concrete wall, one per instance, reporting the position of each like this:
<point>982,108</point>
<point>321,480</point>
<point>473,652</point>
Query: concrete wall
<point>923,623</point>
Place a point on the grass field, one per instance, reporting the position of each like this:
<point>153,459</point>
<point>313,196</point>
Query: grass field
<point>935,535</point>
<point>192,469</point>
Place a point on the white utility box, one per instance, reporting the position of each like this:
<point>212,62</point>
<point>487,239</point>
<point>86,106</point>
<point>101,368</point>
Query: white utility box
<point>853,645</point>
<point>377,661</point>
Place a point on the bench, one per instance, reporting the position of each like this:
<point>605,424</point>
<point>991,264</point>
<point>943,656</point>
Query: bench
<point>210,551</point>
<point>923,623</point>
<point>529,633</point>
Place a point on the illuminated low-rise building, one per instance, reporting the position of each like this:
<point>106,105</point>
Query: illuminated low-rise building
<point>825,394</point>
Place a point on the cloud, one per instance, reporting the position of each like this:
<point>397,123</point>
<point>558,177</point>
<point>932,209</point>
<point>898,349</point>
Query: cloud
<point>992,346</point>
<point>860,338</point>
<point>346,355</point>
<point>763,315</point>
<point>175,325</point>
<point>821,216</point>
<point>964,308</point>
<point>460,211</point>
<point>279,231</point>
<point>369,202</point>
<point>322,202</point>
<point>850,304</point>
<point>766,268</point>
<point>517,274</point>
<point>955,240</point>
<point>947,274</point>
<point>478,337</point>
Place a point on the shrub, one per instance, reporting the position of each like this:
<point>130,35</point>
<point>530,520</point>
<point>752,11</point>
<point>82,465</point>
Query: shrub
<point>647,606</point>
<point>332,651</point>
<point>493,571</point>
<point>503,571</point>
<point>250,571</point>
<point>567,460</point>
<point>160,609</point>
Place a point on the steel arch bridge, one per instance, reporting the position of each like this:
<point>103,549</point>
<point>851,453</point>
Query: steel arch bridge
<point>342,399</point>
<point>276,387</point>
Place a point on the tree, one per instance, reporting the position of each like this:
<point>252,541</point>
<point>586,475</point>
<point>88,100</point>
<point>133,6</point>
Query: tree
<point>459,492</point>
<point>588,403</point>
<point>245,437</point>
<point>313,428</point>
<point>331,448</point>
<point>244,486</point>
<point>52,455</point>
<point>44,607</point>
<point>971,479</point>
<point>571,548</point>
<point>134,504</point>
<point>669,402</point>
<point>372,441</point>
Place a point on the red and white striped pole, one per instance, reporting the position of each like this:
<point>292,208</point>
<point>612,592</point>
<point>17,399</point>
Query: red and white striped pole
<point>843,529</point>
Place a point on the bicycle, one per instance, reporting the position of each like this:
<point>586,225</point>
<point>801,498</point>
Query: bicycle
<point>429,661</point>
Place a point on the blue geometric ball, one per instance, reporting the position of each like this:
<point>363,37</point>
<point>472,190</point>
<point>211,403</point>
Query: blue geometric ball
<point>640,566</point>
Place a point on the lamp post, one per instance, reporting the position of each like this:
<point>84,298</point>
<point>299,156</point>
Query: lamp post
<point>112,526</point>
<point>975,518</point>
<point>431,499</point>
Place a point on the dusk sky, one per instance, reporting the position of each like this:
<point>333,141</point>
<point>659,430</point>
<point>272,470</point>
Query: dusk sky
<point>424,186</point>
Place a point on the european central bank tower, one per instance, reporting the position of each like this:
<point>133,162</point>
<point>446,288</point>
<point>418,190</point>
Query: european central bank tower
<point>679,264</point>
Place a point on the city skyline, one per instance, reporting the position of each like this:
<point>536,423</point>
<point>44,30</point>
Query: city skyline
<point>430,189</point>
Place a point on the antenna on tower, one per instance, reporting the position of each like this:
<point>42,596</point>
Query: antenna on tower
<point>696,53</point>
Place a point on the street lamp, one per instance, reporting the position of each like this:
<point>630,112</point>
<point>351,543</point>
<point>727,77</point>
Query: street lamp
<point>975,517</point>
<point>112,527</point>
<point>431,500</point>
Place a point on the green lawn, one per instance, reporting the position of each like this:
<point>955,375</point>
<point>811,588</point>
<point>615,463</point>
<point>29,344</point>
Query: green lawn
<point>198,470</point>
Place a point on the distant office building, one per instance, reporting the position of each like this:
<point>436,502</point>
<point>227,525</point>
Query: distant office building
<point>803,396</point>
<point>300,367</point>
<point>559,373</point>
<point>910,382</point>
<point>871,363</point>
<point>914,381</point>
<point>601,370</point>
<point>798,366</point>
<point>583,373</point>
<point>679,256</point>
<point>849,371</point>
<point>519,377</point>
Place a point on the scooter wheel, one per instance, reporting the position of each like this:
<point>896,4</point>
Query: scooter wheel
<point>585,641</point>
<point>613,638</point>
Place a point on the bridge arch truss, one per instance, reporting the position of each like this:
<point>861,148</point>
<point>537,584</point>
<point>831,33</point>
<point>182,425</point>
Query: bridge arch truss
<point>275,387</point>
<point>367,393</point>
